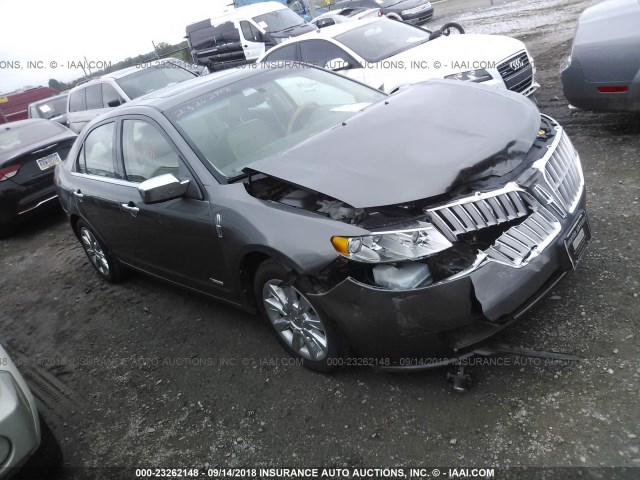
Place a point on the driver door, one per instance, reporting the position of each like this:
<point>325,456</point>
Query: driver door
<point>175,239</point>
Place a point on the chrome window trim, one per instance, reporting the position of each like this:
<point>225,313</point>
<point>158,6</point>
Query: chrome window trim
<point>114,181</point>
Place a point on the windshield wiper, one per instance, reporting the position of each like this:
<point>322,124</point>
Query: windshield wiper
<point>289,28</point>
<point>237,177</point>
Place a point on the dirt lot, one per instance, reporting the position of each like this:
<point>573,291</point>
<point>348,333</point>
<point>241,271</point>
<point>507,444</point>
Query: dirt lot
<point>142,374</point>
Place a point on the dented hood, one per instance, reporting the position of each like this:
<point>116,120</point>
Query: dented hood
<point>418,143</point>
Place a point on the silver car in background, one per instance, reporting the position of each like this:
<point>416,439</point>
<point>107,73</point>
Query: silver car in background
<point>19,422</point>
<point>343,15</point>
<point>603,71</point>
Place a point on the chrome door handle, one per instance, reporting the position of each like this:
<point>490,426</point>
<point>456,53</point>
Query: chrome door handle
<point>130,208</point>
<point>78,194</point>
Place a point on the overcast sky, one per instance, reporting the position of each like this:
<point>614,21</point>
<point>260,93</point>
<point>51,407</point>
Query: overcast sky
<point>62,31</point>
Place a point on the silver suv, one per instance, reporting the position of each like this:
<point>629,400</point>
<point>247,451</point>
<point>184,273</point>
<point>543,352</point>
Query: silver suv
<point>91,99</point>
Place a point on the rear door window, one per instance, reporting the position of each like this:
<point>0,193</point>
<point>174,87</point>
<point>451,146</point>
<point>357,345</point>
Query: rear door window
<point>96,156</point>
<point>288,53</point>
<point>94,97</point>
<point>77,101</point>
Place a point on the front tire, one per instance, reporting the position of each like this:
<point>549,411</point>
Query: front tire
<point>303,330</point>
<point>107,267</point>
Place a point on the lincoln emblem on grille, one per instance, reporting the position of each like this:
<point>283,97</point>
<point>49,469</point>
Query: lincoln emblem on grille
<point>516,64</point>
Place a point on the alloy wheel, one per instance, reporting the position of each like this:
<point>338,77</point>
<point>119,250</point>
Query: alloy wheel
<point>94,251</point>
<point>295,320</point>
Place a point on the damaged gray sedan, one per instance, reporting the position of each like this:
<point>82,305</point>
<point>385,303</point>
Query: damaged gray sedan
<point>394,228</point>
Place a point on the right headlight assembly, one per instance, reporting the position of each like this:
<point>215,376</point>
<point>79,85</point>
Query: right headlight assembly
<point>392,246</point>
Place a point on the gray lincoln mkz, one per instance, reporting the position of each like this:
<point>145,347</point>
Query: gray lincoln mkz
<point>392,227</point>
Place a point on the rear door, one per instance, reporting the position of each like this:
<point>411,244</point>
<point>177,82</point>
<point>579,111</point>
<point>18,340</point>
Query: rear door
<point>96,181</point>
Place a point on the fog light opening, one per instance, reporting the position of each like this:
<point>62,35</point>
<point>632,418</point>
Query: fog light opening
<point>406,276</point>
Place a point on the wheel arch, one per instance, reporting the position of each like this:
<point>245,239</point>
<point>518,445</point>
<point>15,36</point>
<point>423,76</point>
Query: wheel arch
<point>249,263</point>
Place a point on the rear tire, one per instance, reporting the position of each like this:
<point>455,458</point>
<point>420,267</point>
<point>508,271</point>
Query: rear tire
<point>300,327</point>
<point>104,263</point>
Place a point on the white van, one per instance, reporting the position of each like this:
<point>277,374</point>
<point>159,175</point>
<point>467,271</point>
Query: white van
<point>90,99</point>
<point>242,35</point>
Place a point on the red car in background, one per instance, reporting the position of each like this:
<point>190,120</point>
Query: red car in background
<point>13,105</point>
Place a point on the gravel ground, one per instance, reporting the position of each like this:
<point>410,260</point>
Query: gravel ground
<point>142,374</point>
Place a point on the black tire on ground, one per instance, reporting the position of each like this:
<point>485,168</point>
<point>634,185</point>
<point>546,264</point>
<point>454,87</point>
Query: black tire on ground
<point>336,346</point>
<point>99,256</point>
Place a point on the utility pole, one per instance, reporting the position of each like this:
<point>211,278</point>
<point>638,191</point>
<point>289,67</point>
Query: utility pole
<point>155,49</point>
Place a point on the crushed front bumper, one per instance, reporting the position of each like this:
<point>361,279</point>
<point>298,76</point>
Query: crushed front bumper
<point>448,318</point>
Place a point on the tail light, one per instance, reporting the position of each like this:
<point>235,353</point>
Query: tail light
<point>7,173</point>
<point>613,89</point>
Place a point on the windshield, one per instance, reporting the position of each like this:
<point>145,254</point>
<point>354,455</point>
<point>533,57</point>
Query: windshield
<point>382,39</point>
<point>150,79</point>
<point>267,114</point>
<point>278,21</point>
<point>12,136</point>
<point>52,108</point>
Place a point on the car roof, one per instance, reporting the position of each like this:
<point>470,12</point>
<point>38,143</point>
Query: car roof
<point>23,123</point>
<point>168,97</point>
<point>333,31</point>
<point>128,71</point>
<point>48,99</point>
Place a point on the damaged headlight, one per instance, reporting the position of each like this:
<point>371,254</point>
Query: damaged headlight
<point>393,246</point>
<point>477,76</point>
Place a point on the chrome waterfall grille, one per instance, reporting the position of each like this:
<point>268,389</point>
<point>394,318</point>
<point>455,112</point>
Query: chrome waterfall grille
<point>480,211</point>
<point>563,172</point>
<point>522,241</point>
<point>534,210</point>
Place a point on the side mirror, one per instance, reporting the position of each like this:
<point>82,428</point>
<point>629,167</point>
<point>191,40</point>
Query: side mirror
<point>337,64</point>
<point>115,103</point>
<point>162,188</point>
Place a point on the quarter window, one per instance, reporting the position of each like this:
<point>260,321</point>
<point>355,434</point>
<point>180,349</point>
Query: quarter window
<point>96,155</point>
<point>288,53</point>
<point>146,152</point>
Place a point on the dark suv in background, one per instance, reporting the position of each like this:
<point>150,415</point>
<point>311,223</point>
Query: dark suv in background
<point>415,12</point>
